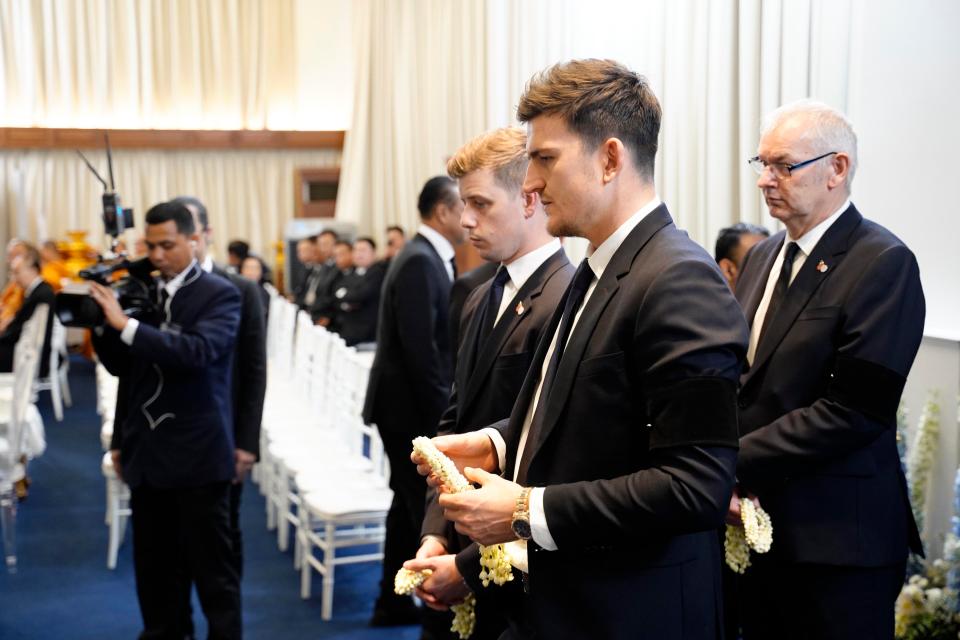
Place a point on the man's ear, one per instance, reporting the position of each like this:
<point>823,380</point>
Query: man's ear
<point>729,269</point>
<point>841,169</point>
<point>530,201</point>
<point>613,155</point>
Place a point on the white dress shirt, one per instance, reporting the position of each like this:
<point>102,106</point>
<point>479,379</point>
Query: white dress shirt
<point>806,244</point>
<point>598,262</point>
<point>520,271</point>
<point>442,246</point>
<point>171,287</point>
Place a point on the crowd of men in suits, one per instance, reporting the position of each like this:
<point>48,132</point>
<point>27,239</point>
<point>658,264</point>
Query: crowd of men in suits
<point>341,285</point>
<point>613,417</point>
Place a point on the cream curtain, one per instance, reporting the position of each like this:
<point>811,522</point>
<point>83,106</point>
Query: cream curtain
<point>717,67</point>
<point>151,64</point>
<point>164,64</point>
<point>249,194</point>
<point>420,94</point>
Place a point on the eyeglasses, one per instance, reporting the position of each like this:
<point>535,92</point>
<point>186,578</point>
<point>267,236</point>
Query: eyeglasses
<point>781,170</point>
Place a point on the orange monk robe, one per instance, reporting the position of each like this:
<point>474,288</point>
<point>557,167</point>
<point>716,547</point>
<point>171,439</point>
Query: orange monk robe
<point>10,300</point>
<point>53,273</point>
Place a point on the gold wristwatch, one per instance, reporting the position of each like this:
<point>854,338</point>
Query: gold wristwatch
<point>521,515</point>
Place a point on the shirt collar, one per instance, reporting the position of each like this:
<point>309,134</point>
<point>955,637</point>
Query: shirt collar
<point>33,285</point>
<point>207,264</point>
<point>808,241</point>
<point>176,282</point>
<point>602,255</point>
<point>441,244</point>
<point>523,267</point>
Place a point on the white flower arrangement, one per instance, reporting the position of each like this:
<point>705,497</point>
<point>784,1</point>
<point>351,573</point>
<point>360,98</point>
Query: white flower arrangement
<point>464,614</point>
<point>921,457</point>
<point>756,535</point>
<point>494,562</point>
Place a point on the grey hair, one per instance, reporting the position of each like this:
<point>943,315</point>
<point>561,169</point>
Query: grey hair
<point>828,129</point>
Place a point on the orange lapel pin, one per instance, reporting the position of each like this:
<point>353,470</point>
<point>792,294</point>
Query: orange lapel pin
<point>822,267</point>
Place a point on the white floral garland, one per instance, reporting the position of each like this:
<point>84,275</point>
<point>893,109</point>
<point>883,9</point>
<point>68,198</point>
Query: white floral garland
<point>756,534</point>
<point>494,563</point>
<point>464,614</point>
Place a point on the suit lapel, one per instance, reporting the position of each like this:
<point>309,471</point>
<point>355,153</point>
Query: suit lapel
<point>604,291</point>
<point>829,250</point>
<point>750,300</point>
<point>508,323</point>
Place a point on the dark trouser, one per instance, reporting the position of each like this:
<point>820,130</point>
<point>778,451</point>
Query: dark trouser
<point>236,536</point>
<point>789,601</point>
<point>182,536</point>
<point>406,511</point>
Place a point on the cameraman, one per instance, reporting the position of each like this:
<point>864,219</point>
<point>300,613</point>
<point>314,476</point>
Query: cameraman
<point>176,449</point>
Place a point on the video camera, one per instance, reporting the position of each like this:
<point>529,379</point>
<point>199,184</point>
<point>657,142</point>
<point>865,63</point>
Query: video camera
<point>135,291</point>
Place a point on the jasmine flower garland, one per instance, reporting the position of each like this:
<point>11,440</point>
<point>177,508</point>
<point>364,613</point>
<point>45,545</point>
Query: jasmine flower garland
<point>495,566</point>
<point>464,614</point>
<point>756,534</point>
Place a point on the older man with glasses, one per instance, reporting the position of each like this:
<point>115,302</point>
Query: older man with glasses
<point>836,312</point>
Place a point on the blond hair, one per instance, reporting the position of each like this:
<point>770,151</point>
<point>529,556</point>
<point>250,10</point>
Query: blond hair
<point>598,100</point>
<point>503,151</point>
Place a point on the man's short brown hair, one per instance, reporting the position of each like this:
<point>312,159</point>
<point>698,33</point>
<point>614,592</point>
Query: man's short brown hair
<point>598,99</point>
<point>503,151</point>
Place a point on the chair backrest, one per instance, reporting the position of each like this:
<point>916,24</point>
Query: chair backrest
<point>26,362</point>
<point>58,346</point>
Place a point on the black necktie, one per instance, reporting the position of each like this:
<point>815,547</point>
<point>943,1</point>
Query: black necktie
<point>453,265</point>
<point>488,318</point>
<point>780,289</point>
<point>576,293</point>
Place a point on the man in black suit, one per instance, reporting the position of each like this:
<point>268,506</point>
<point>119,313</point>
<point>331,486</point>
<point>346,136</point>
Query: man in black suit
<point>358,298</point>
<point>504,319</point>
<point>620,451</point>
<point>836,311</point>
<point>249,368</point>
<point>324,309</point>
<point>462,287</point>
<point>411,374</point>
<point>25,270</point>
<point>177,450</point>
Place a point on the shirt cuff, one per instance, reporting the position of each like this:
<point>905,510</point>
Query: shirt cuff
<point>129,331</point>
<point>538,521</point>
<point>499,445</point>
<point>432,536</point>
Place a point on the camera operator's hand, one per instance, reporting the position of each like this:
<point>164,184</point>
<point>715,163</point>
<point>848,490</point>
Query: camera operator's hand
<point>244,462</point>
<point>112,311</point>
<point>115,458</point>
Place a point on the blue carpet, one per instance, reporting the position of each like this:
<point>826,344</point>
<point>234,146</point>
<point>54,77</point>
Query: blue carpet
<point>64,590</point>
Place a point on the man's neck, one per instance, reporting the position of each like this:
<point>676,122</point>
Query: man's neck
<point>529,246</point>
<point>619,211</point>
<point>436,227</point>
<point>797,228</point>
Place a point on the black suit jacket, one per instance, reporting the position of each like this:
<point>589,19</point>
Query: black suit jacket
<point>174,399</point>
<point>358,304</point>
<point>818,405</point>
<point>410,379</point>
<point>249,363</point>
<point>486,384</point>
<point>638,448</point>
<point>41,294</point>
<point>462,287</point>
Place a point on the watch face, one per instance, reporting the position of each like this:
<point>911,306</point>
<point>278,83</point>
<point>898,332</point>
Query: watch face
<point>522,529</point>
